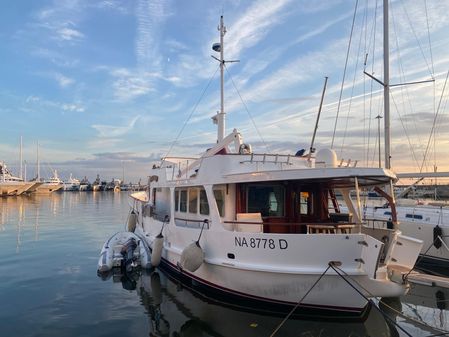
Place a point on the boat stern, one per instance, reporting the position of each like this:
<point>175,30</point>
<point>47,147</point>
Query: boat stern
<point>402,256</point>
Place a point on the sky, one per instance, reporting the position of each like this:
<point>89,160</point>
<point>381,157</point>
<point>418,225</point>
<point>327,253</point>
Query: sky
<point>110,87</point>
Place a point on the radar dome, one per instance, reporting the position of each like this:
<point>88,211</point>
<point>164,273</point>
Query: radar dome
<point>326,158</point>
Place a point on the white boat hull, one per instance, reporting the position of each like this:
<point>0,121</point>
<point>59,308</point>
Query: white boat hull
<point>279,269</point>
<point>14,187</point>
<point>419,222</point>
<point>47,188</point>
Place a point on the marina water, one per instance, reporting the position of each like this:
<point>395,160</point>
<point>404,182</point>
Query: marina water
<point>49,285</point>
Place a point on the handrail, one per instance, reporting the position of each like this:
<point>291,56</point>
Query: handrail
<point>334,224</point>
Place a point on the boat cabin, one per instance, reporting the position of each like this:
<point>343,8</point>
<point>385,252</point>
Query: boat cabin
<point>291,206</point>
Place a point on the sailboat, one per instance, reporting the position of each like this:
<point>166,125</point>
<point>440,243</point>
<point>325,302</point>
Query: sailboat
<point>427,223</point>
<point>267,230</point>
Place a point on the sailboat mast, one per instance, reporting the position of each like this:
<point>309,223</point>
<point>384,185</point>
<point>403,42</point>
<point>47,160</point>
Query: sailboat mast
<point>221,115</point>
<point>38,164</point>
<point>21,159</point>
<point>386,86</point>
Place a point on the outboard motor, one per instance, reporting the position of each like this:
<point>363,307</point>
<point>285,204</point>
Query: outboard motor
<point>128,254</point>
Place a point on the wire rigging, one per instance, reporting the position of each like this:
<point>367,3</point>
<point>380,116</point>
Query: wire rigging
<point>416,38</point>
<point>434,122</point>
<point>190,115</point>
<point>352,94</point>
<point>404,99</point>
<point>344,73</point>
<point>373,34</point>
<point>246,108</point>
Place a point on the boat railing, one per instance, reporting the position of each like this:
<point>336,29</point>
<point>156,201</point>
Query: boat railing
<point>378,223</point>
<point>186,169</point>
<point>268,158</point>
<point>291,227</point>
<point>192,223</point>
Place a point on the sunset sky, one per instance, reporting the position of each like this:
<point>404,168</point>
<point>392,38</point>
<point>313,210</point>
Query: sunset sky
<point>106,86</point>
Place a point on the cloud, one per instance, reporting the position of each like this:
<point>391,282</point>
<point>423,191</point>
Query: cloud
<point>62,80</point>
<point>69,34</point>
<point>32,99</point>
<point>73,107</point>
<point>113,5</point>
<point>253,25</point>
<point>150,15</point>
<point>129,85</point>
<point>109,131</point>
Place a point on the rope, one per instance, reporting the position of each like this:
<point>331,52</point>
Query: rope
<point>299,303</point>
<point>352,93</point>
<point>372,38</point>
<point>191,114</point>
<point>416,36</point>
<point>369,300</point>
<point>419,321</point>
<point>405,130</point>
<point>407,94</point>
<point>434,122</point>
<point>246,108</point>
<point>422,255</point>
<point>344,73</point>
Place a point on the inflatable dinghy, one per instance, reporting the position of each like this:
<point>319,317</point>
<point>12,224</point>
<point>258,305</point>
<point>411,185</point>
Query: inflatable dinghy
<point>125,250</point>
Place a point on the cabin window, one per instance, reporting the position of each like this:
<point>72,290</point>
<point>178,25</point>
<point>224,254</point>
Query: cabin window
<point>267,200</point>
<point>305,203</point>
<point>387,213</point>
<point>414,216</point>
<point>220,200</point>
<point>176,201</point>
<point>193,200</point>
<point>204,205</point>
<point>183,201</point>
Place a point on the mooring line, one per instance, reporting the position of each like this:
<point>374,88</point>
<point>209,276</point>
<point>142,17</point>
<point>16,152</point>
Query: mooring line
<point>422,255</point>
<point>441,331</point>
<point>299,303</point>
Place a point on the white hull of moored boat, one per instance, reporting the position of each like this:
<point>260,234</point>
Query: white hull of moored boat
<point>47,188</point>
<point>429,224</point>
<point>15,187</point>
<point>279,268</point>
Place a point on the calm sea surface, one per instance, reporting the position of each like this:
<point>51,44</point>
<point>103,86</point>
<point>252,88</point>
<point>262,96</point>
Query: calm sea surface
<point>49,249</point>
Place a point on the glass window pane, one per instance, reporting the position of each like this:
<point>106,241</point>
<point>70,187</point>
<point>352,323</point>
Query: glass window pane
<point>220,200</point>
<point>267,200</point>
<point>305,203</point>
<point>204,206</point>
<point>176,201</point>
<point>193,200</point>
<point>183,201</point>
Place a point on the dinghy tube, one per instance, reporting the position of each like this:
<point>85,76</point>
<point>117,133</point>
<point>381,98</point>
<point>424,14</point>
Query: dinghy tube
<point>124,249</point>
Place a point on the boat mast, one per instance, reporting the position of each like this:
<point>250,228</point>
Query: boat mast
<point>386,86</point>
<point>221,114</point>
<point>311,150</point>
<point>38,165</point>
<point>21,159</point>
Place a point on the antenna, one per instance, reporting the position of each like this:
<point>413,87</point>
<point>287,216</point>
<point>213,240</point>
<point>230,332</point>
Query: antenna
<point>219,48</point>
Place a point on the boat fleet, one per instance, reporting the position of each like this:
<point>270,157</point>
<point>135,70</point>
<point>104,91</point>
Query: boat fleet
<point>11,185</point>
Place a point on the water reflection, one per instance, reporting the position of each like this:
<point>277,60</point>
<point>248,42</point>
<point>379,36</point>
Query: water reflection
<point>174,310</point>
<point>427,307</point>
<point>25,214</point>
